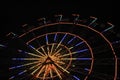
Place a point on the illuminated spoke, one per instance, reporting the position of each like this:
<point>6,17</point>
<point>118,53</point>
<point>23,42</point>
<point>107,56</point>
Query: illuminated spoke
<point>48,70</point>
<point>79,43</point>
<point>12,77</point>
<point>46,39</point>
<point>35,66</point>
<point>57,52</point>
<point>57,71</point>
<point>93,21</point>
<point>36,50</point>
<point>22,72</point>
<point>76,45</point>
<point>44,51</point>
<point>71,40</point>
<point>62,68</point>
<point>24,65</point>
<point>36,69</point>
<point>2,45</point>
<point>76,59</point>
<point>111,26</point>
<point>45,73</point>
<point>55,37</point>
<point>32,54</point>
<point>75,52</point>
<point>51,74</point>
<point>76,77</point>
<point>61,41</point>
<point>41,70</point>
<point>26,59</point>
<point>26,70</point>
<point>60,62</point>
<point>52,49</point>
<point>48,50</point>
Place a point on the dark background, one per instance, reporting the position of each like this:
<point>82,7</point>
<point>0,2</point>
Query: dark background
<point>18,13</point>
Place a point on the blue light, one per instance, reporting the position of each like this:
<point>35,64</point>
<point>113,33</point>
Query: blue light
<point>21,72</point>
<point>112,26</point>
<point>19,66</point>
<point>86,69</point>
<point>71,40</point>
<point>31,46</point>
<point>17,58</point>
<point>20,51</point>
<point>13,67</point>
<point>16,67</point>
<point>82,50</point>
<point>55,37</point>
<point>79,44</point>
<point>2,45</point>
<point>76,77</point>
<point>46,39</point>
<point>12,77</point>
<point>83,58</point>
<point>63,38</point>
<point>95,19</point>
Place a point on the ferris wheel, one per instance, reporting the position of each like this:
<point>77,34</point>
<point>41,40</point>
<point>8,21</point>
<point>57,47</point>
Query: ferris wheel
<point>64,48</point>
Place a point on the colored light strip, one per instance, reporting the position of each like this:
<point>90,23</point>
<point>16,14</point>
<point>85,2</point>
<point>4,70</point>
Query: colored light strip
<point>60,62</point>
<point>95,19</point>
<point>48,50</point>
<point>51,51</point>
<point>35,66</point>
<point>86,69</point>
<point>57,51</point>
<point>57,72</point>
<point>42,69</point>
<point>108,28</point>
<point>44,51</point>
<point>24,65</point>
<point>26,59</point>
<point>71,40</point>
<point>12,77</point>
<point>80,51</point>
<point>36,69</point>
<point>76,19</point>
<point>112,26</point>
<point>60,17</point>
<point>62,68</point>
<point>76,77</point>
<point>22,72</point>
<point>44,20</point>
<point>46,39</point>
<point>26,70</point>
<point>45,73</point>
<point>21,51</point>
<point>2,45</point>
<point>51,75</point>
<point>115,42</point>
<point>74,52</point>
<point>36,50</point>
<point>61,41</point>
<point>55,37</point>
<point>76,59</point>
<point>84,58</point>
<point>79,44</point>
<point>76,45</point>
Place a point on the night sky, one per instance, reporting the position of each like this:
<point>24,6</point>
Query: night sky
<point>17,13</point>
